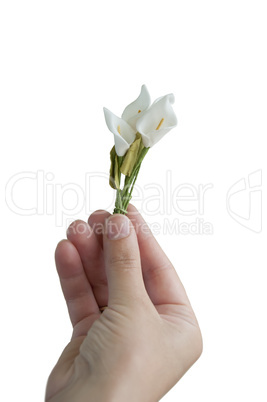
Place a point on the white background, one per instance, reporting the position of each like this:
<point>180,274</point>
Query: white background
<point>61,62</point>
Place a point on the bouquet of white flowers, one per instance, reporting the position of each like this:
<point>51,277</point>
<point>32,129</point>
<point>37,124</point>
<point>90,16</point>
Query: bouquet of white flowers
<point>139,128</point>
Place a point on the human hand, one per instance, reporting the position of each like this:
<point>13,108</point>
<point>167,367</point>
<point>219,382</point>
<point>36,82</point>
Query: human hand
<point>146,339</point>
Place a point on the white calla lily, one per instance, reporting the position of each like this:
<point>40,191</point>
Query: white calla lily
<point>140,127</point>
<point>124,134</point>
<point>136,109</point>
<point>157,121</point>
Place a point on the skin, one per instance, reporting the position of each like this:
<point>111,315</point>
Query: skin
<point>146,339</point>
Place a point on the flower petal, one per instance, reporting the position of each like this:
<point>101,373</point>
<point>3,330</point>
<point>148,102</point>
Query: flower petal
<point>135,109</point>
<point>124,134</point>
<point>157,121</point>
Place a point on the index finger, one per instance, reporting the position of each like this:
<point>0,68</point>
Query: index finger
<point>161,280</point>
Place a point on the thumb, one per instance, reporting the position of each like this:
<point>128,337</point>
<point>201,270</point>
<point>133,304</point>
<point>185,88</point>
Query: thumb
<point>122,262</point>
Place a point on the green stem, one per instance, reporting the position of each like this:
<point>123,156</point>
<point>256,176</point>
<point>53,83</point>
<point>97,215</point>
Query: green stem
<point>134,180</point>
<point>129,179</point>
<point>126,199</point>
<point>124,196</point>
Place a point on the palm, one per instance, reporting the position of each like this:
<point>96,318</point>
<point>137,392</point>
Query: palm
<point>81,269</point>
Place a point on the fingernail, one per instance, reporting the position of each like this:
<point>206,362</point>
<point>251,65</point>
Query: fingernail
<point>117,227</point>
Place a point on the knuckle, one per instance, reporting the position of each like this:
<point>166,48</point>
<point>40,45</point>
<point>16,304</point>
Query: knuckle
<point>122,262</point>
<point>196,343</point>
<point>199,342</point>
